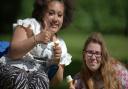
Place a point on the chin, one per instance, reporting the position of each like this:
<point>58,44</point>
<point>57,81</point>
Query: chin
<point>54,30</point>
<point>93,69</point>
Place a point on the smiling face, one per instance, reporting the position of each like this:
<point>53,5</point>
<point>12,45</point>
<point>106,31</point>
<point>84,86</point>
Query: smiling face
<point>92,56</point>
<point>54,15</point>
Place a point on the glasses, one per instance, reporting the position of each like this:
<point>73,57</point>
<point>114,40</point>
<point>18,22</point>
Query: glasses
<point>90,53</point>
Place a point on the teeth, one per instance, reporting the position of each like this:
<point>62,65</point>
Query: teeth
<point>54,26</point>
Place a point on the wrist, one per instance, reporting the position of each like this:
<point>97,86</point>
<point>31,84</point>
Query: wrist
<point>35,40</point>
<point>56,61</point>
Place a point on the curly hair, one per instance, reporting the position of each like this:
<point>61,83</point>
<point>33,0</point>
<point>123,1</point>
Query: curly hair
<point>40,6</point>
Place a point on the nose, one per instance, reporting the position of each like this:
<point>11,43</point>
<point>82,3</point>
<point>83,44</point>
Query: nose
<point>93,56</point>
<point>55,17</point>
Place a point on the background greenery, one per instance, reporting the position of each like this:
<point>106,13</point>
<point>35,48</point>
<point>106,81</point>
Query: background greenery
<point>105,16</point>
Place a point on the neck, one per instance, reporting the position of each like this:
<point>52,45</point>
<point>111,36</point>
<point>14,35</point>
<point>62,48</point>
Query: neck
<point>97,76</point>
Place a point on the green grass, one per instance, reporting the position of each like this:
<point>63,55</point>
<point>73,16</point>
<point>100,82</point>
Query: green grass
<point>5,37</point>
<point>116,44</point>
<point>75,38</point>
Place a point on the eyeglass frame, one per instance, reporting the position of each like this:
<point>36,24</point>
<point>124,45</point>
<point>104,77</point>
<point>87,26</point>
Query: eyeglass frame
<point>90,53</point>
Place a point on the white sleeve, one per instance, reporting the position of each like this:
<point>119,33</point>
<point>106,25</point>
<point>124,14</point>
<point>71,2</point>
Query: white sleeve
<point>65,56</point>
<point>34,25</point>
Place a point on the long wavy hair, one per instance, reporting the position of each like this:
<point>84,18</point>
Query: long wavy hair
<point>40,7</point>
<point>106,71</point>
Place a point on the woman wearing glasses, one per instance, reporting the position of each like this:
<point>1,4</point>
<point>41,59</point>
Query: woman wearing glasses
<point>99,70</point>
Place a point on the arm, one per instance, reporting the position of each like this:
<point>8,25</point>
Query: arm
<point>60,50</point>
<point>70,82</point>
<point>20,43</point>
<point>58,77</point>
<point>24,40</point>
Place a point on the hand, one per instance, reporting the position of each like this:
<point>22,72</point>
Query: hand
<point>45,35</point>
<point>72,84</point>
<point>57,52</point>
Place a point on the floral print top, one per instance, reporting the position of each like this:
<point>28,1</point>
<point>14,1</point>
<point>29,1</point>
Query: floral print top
<point>121,74</point>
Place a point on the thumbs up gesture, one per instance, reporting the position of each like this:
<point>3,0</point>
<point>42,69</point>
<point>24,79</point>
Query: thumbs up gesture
<point>45,35</point>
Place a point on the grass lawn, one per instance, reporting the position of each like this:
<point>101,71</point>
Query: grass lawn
<point>117,46</point>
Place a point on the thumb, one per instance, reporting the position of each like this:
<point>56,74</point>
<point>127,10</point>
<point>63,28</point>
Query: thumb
<point>45,25</point>
<point>72,84</point>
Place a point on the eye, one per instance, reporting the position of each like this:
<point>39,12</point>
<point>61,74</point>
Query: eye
<point>89,51</point>
<point>60,14</point>
<point>98,53</point>
<point>51,13</point>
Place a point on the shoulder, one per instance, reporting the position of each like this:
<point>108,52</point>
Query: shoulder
<point>28,22</point>
<point>121,73</point>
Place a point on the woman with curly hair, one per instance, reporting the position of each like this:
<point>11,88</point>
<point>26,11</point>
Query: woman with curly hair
<point>99,70</point>
<point>37,54</point>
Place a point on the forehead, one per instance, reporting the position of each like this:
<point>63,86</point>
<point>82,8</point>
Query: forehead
<point>56,5</point>
<point>94,46</point>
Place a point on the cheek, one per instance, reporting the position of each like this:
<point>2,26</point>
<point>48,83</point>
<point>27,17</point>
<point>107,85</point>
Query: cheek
<point>61,20</point>
<point>47,17</point>
<point>99,61</point>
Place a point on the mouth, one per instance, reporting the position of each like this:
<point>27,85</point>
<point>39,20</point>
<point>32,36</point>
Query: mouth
<point>53,25</point>
<point>93,63</point>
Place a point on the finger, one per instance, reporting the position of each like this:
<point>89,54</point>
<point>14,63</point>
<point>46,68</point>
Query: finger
<point>45,26</point>
<point>57,52</point>
<point>57,55</point>
<point>57,59</point>
<point>56,44</point>
<point>71,88</point>
<point>71,85</point>
<point>52,35</point>
<point>57,47</point>
<point>47,34</point>
<point>46,39</point>
<point>74,82</point>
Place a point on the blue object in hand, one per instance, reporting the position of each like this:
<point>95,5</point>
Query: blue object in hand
<point>4,46</point>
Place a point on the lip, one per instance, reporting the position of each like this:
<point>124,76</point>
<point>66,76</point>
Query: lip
<point>54,26</point>
<point>93,63</point>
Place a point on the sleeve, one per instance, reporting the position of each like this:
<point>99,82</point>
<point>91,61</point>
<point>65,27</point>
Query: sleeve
<point>65,56</point>
<point>34,25</point>
<point>122,75</point>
